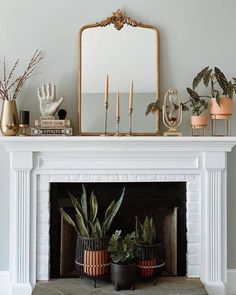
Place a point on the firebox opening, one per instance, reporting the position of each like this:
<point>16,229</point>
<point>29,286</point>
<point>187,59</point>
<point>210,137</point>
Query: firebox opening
<point>164,201</point>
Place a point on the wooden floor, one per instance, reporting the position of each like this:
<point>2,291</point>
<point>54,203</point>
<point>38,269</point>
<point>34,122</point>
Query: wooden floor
<point>164,286</point>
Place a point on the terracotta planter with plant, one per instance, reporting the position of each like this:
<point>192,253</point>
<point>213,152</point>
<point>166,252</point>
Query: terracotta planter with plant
<point>148,255</point>
<point>122,254</point>
<point>221,108</point>
<point>199,122</point>
<point>92,240</point>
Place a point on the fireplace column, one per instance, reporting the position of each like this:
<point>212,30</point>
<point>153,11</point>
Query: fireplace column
<point>20,227</point>
<point>216,223</point>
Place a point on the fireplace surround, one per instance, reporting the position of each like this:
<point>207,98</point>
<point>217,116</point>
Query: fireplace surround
<point>37,162</point>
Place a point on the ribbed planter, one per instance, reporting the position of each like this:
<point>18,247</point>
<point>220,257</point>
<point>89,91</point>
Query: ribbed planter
<point>92,259</point>
<point>223,110</point>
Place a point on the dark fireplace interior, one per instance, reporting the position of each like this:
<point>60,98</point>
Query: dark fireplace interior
<point>164,201</point>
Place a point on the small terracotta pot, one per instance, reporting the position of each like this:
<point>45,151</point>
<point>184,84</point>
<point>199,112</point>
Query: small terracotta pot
<point>222,111</point>
<point>145,268</point>
<point>95,262</point>
<point>198,122</point>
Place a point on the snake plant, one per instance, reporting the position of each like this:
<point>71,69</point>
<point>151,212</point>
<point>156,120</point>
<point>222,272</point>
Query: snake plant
<point>146,231</point>
<point>87,223</point>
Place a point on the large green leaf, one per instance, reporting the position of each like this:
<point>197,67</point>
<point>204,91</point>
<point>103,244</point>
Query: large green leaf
<point>84,205</point>
<point>152,107</point>
<point>199,77</point>
<point>207,77</point>
<point>68,219</point>
<point>221,79</point>
<point>193,94</point>
<point>93,207</point>
<point>83,229</point>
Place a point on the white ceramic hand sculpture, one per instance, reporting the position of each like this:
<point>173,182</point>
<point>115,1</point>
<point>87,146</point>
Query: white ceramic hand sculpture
<point>47,101</point>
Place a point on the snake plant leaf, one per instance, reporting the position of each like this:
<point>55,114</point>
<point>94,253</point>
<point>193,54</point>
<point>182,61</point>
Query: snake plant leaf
<point>81,224</point>
<point>75,201</point>
<point>221,79</point>
<point>115,210</point>
<point>193,94</point>
<point>98,228</point>
<point>109,209</point>
<point>199,77</point>
<point>93,207</point>
<point>84,205</point>
<point>152,107</point>
<point>68,219</point>
<point>207,77</point>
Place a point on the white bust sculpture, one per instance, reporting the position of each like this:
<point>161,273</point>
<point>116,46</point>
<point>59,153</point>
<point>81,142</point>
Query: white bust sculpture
<point>48,103</point>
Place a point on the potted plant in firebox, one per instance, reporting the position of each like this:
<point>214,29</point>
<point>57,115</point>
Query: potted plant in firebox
<point>122,254</point>
<point>149,251</point>
<point>92,239</point>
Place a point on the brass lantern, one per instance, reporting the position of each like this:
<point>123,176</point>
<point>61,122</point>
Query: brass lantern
<point>172,112</point>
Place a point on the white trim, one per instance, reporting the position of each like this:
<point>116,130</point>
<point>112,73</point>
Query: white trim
<point>231,283</point>
<point>5,282</point>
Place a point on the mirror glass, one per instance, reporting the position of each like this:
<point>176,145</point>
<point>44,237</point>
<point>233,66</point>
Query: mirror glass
<point>125,55</point>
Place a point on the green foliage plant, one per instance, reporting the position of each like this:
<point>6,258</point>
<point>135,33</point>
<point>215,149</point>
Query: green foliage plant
<point>86,209</point>
<point>146,231</point>
<point>122,250</point>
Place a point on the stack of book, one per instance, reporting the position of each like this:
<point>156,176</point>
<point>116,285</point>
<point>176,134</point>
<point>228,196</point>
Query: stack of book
<point>48,127</point>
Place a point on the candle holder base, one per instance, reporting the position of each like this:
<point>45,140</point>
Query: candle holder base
<point>23,129</point>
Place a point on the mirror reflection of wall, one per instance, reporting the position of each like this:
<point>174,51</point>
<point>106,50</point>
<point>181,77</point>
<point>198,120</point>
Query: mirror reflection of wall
<point>126,55</point>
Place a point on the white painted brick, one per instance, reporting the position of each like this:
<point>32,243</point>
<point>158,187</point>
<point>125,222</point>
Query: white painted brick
<point>43,249</point>
<point>43,185</point>
<point>193,259</point>
<point>55,178</point>
<point>42,239</point>
<point>43,228</point>
<point>194,228</point>
<point>193,207</point>
<point>193,248</point>
<point>193,238</point>
<point>192,187</point>
<point>193,197</point>
<point>193,271</point>
<point>193,217</point>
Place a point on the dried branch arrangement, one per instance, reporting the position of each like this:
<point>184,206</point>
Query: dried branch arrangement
<point>9,87</point>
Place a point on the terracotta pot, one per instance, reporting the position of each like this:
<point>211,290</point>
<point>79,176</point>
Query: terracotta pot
<point>9,118</point>
<point>145,268</point>
<point>199,121</point>
<point>123,276</point>
<point>95,263</point>
<point>223,111</point>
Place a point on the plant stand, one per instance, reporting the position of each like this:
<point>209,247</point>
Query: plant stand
<point>150,261</point>
<point>201,129</point>
<point>92,260</point>
<point>226,118</point>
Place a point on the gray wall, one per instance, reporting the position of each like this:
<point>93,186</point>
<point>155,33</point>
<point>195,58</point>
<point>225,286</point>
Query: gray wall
<point>194,33</point>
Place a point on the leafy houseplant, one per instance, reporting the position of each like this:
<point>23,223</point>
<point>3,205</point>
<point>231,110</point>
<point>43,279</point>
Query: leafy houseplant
<point>92,234</point>
<point>9,90</point>
<point>147,247</point>
<point>122,254</point>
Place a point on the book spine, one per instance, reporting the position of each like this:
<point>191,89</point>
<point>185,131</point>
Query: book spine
<point>52,123</point>
<point>39,131</point>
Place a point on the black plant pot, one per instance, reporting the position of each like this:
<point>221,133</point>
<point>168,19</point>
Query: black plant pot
<point>123,276</point>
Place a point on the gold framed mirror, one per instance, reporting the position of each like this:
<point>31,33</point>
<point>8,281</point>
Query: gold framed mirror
<point>126,50</point>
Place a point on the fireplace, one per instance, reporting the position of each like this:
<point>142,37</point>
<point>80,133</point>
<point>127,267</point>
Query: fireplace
<point>164,201</point>
<point>38,163</point>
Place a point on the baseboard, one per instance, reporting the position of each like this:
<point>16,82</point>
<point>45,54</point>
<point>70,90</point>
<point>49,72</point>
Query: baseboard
<point>231,282</point>
<point>4,283</point>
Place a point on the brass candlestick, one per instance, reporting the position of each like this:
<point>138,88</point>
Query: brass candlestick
<point>105,118</point>
<point>117,126</point>
<point>130,120</point>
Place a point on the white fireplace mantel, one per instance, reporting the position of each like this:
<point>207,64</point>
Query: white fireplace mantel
<point>37,161</point>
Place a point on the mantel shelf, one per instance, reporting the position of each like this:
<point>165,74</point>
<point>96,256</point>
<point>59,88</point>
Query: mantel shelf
<point>135,143</point>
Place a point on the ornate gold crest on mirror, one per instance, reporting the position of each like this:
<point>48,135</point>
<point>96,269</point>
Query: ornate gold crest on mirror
<point>121,52</point>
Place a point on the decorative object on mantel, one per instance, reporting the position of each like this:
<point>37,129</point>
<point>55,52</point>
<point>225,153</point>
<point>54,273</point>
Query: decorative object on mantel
<point>121,21</point>
<point>221,103</point>
<point>9,91</point>
<point>47,125</point>
<point>131,97</point>
<point>106,104</point>
<point>197,103</point>
<point>172,112</point>
<point>149,252</point>
<point>122,253</point>
<point>24,122</point>
<point>92,239</point>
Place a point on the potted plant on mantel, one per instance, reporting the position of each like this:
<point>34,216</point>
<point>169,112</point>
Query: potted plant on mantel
<point>9,90</point>
<point>92,235</point>
<point>122,254</point>
<point>148,250</point>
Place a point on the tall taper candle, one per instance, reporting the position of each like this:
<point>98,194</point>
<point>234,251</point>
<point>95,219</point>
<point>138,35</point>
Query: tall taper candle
<point>131,94</point>
<point>107,90</point>
<point>118,105</point>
